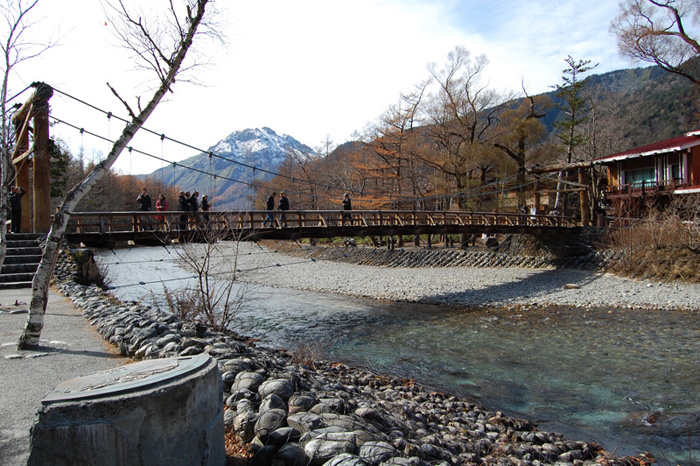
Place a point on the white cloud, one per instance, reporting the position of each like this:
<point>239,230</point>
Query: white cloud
<point>311,68</point>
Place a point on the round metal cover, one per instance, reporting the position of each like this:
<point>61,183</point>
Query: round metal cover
<point>125,378</point>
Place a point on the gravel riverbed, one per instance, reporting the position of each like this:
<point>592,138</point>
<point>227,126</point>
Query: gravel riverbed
<point>459,285</point>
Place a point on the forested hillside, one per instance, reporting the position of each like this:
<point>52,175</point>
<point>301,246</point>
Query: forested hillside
<point>457,144</point>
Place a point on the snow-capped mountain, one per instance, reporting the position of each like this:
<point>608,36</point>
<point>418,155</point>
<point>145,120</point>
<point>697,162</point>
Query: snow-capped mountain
<point>233,158</point>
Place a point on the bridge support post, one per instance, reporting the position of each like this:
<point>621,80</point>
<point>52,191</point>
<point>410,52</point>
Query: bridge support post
<point>42,169</point>
<point>36,108</point>
<point>20,160</point>
<point>22,180</point>
<point>585,211</point>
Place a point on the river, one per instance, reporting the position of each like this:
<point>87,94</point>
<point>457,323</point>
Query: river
<point>626,379</point>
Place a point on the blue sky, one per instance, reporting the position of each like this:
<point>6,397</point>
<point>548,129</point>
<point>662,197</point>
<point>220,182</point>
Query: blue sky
<point>312,68</point>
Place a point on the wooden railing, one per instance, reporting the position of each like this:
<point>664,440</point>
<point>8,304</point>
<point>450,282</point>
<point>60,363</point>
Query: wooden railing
<point>255,220</point>
<point>646,187</point>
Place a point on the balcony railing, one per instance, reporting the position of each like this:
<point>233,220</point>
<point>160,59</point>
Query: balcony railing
<point>642,188</point>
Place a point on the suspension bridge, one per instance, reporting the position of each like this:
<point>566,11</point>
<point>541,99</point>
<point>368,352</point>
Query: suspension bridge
<point>31,160</point>
<point>107,229</point>
<point>32,123</point>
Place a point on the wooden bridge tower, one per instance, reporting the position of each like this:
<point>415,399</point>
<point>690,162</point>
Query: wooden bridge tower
<point>36,111</point>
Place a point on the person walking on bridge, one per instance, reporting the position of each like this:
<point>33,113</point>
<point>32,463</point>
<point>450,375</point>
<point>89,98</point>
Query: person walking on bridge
<point>162,206</point>
<point>183,205</point>
<point>347,207</point>
<point>194,208</point>
<point>205,205</point>
<point>144,201</point>
<point>270,207</point>
<point>283,206</point>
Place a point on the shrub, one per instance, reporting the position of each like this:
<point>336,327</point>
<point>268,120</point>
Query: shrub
<point>216,296</point>
<point>664,245</point>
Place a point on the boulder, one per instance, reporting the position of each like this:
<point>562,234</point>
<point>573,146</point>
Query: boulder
<point>345,459</point>
<point>292,454</point>
<point>270,421</point>
<point>376,452</point>
<point>326,446</point>
<point>247,381</point>
<point>272,401</point>
<point>283,435</point>
<point>305,422</point>
<point>280,387</point>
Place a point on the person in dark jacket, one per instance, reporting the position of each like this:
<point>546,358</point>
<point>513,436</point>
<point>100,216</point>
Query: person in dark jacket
<point>193,208</point>
<point>205,205</point>
<point>270,207</point>
<point>144,201</point>
<point>283,206</point>
<point>15,198</point>
<point>183,205</point>
<point>347,207</point>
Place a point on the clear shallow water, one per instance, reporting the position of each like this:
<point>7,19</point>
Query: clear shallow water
<point>594,375</point>
<point>600,375</point>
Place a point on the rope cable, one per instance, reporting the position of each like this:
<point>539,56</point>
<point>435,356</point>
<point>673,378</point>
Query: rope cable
<point>474,192</point>
<point>17,95</point>
<point>248,166</point>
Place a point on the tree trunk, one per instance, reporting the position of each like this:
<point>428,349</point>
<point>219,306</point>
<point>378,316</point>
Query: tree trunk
<point>4,201</point>
<point>40,285</point>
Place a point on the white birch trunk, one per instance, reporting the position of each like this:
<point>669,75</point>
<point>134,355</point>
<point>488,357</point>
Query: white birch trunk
<point>5,167</point>
<point>40,285</point>
<point>4,205</point>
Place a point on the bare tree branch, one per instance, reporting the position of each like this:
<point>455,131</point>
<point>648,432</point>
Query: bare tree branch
<point>126,104</point>
<point>15,25</point>
<point>656,31</point>
<point>40,285</point>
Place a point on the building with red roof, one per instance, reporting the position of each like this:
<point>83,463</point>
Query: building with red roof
<point>660,169</point>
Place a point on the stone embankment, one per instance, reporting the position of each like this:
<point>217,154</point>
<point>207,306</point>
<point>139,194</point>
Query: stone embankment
<point>594,260</point>
<point>310,412</point>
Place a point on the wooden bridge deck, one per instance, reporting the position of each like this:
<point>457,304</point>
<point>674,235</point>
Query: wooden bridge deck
<point>108,228</point>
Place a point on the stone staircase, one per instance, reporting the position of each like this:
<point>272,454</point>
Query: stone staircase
<point>21,261</point>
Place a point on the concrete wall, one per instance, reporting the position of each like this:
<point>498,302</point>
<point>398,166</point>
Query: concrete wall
<point>178,421</point>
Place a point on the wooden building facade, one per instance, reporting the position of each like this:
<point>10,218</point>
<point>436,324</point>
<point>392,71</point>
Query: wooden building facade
<point>653,173</point>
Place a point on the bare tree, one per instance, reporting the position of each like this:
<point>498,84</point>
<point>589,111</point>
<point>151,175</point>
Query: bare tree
<point>462,116</point>
<point>346,169</point>
<point>161,47</point>
<point>16,48</point>
<point>521,130</point>
<point>326,147</point>
<point>396,140</point>
<point>659,31</point>
<point>217,295</point>
<point>303,169</point>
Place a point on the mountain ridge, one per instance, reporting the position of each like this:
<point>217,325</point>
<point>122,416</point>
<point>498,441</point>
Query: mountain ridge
<point>236,161</point>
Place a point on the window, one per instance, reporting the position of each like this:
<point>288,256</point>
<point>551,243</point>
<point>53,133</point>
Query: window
<point>636,177</point>
<point>676,172</point>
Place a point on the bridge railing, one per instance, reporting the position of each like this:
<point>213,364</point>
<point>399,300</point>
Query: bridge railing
<point>172,221</point>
